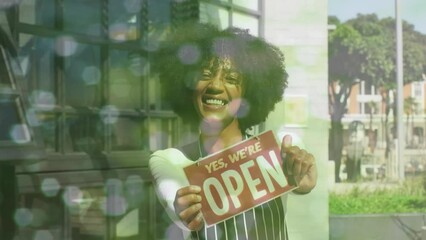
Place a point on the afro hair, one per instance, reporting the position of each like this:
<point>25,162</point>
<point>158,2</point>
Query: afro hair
<point>189,47</point>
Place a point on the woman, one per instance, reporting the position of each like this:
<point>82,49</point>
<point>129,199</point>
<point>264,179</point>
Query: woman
<point>225,82</point>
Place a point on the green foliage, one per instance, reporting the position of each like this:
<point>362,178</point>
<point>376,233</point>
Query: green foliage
<point>369,45</point>
<point>407,198</point>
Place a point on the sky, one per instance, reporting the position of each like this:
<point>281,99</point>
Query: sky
<point>412,11</point>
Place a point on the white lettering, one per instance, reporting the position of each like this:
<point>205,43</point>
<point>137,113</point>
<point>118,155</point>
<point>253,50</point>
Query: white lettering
<point>213,182</point>
<point>252,183</point>
<point>275,171</point>
<point>234,157</point>
<point>234,192</point>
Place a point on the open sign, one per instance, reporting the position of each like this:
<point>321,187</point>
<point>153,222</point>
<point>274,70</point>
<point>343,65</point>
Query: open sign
<point>239,178</point>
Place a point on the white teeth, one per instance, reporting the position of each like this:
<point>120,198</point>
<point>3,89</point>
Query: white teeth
<point>215,102</point>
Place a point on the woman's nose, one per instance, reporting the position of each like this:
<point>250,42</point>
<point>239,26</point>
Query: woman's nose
<point>217,81</point>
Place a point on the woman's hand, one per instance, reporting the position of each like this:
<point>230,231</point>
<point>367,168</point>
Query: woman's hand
<point>300,164</point>
<point>187,207</point>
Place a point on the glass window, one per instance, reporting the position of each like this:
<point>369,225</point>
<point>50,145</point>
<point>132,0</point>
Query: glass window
<point>83,16</point>
<point>246,22</point>
<point>155,95</point>
<point>161,133</point>
<point>118,204</point>
<point>129,133</point>
<point>5,73</point>
<point>83,76</point>
<point>86,133</point>
<point>37,12</point>
<point>250,4</point>
<point>213,14</point>
<point>12,126</point>
<point>36,55</point>
<point>48,124</point>
<point>126,76</point>
<point>124,20</point>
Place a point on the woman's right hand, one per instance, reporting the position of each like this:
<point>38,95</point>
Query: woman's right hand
<point>187,206</point>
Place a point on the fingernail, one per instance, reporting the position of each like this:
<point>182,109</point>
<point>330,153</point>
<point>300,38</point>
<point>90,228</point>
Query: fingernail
<point>287,141</point>
<point>199,198</point>
<point>197,206</point>
<point>195,188</point>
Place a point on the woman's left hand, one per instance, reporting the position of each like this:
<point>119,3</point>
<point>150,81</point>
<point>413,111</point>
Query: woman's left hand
<point>300,164</point>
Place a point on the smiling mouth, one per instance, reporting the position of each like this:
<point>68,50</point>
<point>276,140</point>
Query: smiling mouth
<point>215,102</point>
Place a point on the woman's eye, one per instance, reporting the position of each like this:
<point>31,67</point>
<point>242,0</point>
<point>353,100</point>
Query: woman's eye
<point>233,79</point>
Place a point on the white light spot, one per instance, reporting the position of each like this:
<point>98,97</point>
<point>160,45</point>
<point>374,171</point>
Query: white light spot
<point>20,133</point>
<point>223,47</point>
<point>118,32</point>
<point>189,54</point>
<point>239,107</point>
<point>32,118</point>
<point>23,217</point>
<point>114,186</point>
<point>114,205</point>
<point>72,195</point>
<point>133,179</point>
<point>109,114</point>
<point>65,46</point>
<point>43,99</point>
<point>43,235</point>
<point>50,187</point>
<point>91,75</point>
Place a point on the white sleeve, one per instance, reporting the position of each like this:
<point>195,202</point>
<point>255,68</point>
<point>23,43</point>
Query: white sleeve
<point>166,167</point>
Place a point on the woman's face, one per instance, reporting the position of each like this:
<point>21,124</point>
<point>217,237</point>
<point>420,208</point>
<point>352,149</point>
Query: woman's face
<point>218,92</point>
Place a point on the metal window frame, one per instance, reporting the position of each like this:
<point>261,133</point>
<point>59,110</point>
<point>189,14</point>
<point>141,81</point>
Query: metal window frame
<point>231,7</point>
<point>105,44</point>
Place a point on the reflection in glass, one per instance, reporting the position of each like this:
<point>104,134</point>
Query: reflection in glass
<point>83,77</point>
<point>155,95</point>
<point>124,20</point>
<point>83,16</point>
<point>116,204</point>
<point>84,133</point>
<point>48,124</point>
<point>161,134</point>
<point>126,78</point>
<point>129,133</point>
<point>36,56</point>
<point>35,213</point>
<point>37,12</point>
<point>12,125</point>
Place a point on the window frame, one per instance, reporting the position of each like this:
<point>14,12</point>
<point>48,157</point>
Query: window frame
<point>58,160</point>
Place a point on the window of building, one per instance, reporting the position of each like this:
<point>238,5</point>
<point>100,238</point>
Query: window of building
<point>245,14</point>
<point>87,65</point>
<point>99,109</point>
<point>418,94</point>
